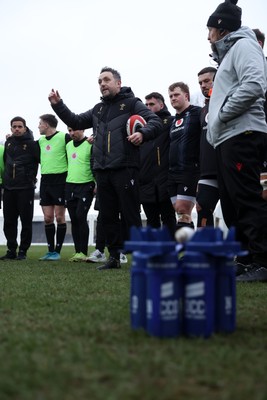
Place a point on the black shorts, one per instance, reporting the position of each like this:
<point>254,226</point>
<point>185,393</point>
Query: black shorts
<point>52,195</point>
<point>84,191</point>
<point>183,186</point>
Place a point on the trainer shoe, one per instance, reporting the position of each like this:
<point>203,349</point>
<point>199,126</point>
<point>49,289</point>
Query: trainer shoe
<point>72,257</point>
<point>96,256</point>
<point>21,255</point>
<point>241,268</point>
<point>55,256</point>
<point>46,256</point>
<point>123,258</point>
<point>112,263</point>
<point>242,264</point>
<point>256,273</point>
<point>10,255</point>
<point>78,257</point>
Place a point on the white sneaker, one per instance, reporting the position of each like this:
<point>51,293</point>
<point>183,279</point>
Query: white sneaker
<point>96,256</point>
<point>123,258</point>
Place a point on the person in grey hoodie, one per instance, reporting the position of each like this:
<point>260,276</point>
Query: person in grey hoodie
<point>237,130</point>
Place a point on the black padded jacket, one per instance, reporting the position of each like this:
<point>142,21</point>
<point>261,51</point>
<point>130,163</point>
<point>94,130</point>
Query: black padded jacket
<point>111,149</point>
<point>21,158</point>
<point>154,157</point>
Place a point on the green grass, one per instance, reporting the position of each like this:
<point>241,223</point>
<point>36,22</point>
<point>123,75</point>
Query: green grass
<point>65,335</point>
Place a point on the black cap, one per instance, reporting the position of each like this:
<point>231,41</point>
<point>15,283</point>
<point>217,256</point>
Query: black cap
<point>226,16</point>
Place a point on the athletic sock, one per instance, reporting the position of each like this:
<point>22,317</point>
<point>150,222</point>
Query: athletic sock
<point>50,231</point>
<point>61,233</point>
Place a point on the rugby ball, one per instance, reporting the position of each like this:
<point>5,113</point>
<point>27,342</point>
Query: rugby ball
<point>134,123</point>
<point>184,234</point>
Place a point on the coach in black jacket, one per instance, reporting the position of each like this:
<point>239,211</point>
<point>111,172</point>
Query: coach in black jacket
<point>21,158</point>
<point>116,155</point>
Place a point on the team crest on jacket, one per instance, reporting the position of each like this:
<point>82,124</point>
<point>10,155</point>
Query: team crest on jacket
<point>48,147</point>
<point>179,122</point>
<point>74,155</point>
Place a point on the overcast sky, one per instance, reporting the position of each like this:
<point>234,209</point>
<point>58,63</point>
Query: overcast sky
<point>63,44</point>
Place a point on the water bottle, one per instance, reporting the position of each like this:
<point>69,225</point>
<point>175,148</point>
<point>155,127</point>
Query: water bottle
<point>198,300</point>
<point>138,290</point>
<point>164,296</point>
<point>225,295</point>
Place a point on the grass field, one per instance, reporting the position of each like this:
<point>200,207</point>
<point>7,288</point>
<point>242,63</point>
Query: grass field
<point>65,335</point>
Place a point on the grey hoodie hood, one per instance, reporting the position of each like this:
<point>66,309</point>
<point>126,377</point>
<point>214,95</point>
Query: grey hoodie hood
<point>223,45</point>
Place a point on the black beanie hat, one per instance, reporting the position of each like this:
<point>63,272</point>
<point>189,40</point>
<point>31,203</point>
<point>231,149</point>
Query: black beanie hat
<point>226,16</point>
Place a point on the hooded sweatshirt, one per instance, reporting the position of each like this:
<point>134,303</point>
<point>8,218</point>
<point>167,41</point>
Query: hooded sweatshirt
<point>237,101</point>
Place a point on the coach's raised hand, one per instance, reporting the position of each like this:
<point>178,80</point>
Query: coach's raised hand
<point>54,97</point>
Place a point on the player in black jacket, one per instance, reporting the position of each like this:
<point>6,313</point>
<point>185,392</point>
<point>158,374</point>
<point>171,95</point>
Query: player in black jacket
<point>208,192</point>
<point>184,153</point>
<point>21,158</point>
<point>154,166</point>
<point>115,155</point>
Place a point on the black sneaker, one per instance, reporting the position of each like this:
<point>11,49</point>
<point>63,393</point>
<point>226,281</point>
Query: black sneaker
<point>242,264</point>
<point>112,263</point>
<point>10,255</point>
<point>21,255</point>
<point>256,273</point>
<point>242,268</point>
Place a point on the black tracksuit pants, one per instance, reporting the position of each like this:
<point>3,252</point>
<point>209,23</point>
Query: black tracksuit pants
<point>79,226</point>
<point>18,203</point>
<point>118,193</point>
<point>161,213</point>
<point>239,166</point>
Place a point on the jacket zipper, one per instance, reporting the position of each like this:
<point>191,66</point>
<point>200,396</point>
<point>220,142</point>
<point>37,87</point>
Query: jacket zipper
<point>109,142</point>
<point>158,155</point>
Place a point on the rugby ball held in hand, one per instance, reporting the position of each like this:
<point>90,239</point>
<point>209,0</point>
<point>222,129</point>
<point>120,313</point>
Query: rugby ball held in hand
<point>134,123</point>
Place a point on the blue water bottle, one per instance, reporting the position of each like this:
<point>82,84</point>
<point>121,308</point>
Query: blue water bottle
<point>138,290</point>
<point>198,300</point>
<point>164,296</point>
<point>225,295</point>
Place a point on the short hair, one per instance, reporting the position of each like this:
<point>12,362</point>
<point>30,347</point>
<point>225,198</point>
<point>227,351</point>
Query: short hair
<point>18,119</point>
<point>156,95</point>
<point>114,72</point>
<point>183,86</point>
<point>259,35</point>
<point>206,70</point>
<point>50,119</point>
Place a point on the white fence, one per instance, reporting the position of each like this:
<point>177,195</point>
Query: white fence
<point>39,232</point>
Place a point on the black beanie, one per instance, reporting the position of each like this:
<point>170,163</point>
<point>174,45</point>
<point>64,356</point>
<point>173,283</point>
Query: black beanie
<point>226,16</point>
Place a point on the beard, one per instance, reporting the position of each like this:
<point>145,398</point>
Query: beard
<point>213,47</point>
